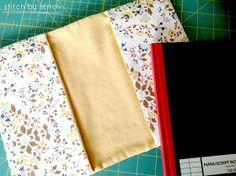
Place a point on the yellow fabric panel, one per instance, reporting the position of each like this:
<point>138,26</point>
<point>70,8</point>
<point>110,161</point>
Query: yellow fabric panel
<point>101,94</point>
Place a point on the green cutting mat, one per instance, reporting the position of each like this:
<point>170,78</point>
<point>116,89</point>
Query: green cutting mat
<point>4,169</point>
<point>202,19</point>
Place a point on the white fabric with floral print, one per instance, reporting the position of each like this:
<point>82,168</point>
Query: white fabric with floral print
<point>136,25</point>
<point>36,123</point>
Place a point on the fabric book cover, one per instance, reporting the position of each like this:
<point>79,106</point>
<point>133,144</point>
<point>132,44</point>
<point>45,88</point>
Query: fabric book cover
<point>195,92</point>
<point>73,102</point>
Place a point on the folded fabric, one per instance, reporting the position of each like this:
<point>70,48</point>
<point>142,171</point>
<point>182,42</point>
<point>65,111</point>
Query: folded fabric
<point>136,25</point>
<point>102,97</point>
<point>67,99</point>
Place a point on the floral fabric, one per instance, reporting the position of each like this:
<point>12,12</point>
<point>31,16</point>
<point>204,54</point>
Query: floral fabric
<point>136,25</point>
<point>36,123</point>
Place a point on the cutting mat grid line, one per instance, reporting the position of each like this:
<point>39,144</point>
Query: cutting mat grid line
<point>202,20</point>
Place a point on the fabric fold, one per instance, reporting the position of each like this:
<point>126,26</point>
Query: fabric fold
<point>136,25</point>
<point>102,97</point>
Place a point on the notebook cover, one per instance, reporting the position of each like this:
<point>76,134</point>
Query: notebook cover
<point>195,94</point>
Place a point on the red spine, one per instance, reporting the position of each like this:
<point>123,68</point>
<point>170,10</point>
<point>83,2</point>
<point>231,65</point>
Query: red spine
<point>167,147</point>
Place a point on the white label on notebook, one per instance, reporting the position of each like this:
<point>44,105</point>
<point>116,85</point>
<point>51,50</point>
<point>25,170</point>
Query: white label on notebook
<point>191,167</point>
<point>221,164</point>
<point>212,165</point>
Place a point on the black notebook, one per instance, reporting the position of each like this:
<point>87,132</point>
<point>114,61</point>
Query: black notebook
<point>195,89</point>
